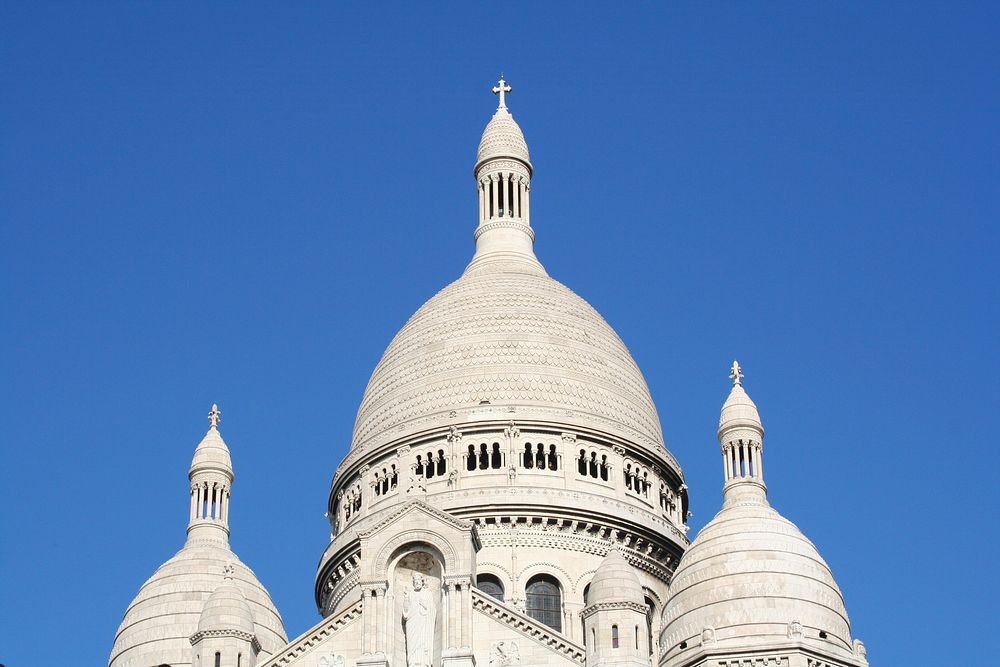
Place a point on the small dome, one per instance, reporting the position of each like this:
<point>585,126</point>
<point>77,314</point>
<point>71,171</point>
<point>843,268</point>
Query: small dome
<point>503,138</point>
<point>226,609</point>
<point>615,581</point>
<point>158,625</point>
<point>739,410</point>
<point>753,578</point>
<point>212,453</point>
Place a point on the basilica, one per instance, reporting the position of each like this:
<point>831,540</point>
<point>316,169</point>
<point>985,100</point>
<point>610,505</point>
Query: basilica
<point>508,500</point>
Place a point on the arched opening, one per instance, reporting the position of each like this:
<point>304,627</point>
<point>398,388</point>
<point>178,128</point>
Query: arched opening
<point>614,636</point>
<point>470,460</point>
<point>218,659</point>
<point>543,601</point>
<point>529,460</point>
<point>491,585</point>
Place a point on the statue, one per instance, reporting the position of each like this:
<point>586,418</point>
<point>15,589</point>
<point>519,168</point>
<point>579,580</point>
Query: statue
<point>419,613</point>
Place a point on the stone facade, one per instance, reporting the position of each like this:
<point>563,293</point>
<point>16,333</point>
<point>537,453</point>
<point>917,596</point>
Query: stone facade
<point>507,500</point>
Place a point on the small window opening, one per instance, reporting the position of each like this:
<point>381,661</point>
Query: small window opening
<point>614,636</point>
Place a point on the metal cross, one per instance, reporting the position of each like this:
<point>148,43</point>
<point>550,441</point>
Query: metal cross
<point>501,89</point>
<point>735,373</point>
<point>214,417</point>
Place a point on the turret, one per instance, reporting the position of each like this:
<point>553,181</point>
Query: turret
<point>211,476</point>
<point>741,436</point>
<point>614,617</point>
<point>226,635</point>
<point>503,182</point>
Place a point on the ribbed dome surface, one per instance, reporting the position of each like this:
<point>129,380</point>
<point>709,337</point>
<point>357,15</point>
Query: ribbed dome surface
<point>502,138</point>
<point>748,574</point>
<point>507,333</point>
<point>161,619</point>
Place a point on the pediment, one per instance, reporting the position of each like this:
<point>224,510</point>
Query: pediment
<point>419,513</point>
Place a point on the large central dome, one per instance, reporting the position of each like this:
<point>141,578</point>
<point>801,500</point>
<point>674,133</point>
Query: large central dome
<point>507,334</point>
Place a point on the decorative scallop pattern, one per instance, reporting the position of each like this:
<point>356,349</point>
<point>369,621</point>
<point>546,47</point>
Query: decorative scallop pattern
<point>507,333</point>
<point>502,138</point>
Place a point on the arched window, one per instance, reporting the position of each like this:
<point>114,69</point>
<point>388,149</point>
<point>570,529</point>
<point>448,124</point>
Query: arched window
<point>218,659</point>
<point>490,585</point>
<point>614,636</point>
<point>471,459</point>
<point>529,460</point>
<point>544,601</point>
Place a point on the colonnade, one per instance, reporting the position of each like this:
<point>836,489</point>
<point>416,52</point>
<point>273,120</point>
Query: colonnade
<point>209,502</point>
<point>504,195</point>
<point>743,460</point>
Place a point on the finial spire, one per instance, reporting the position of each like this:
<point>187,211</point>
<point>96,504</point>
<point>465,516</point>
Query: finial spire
<point>736,374</point>
<point>214,417</point>
<point>502,89</point>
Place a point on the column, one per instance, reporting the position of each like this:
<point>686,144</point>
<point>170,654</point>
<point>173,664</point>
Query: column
<point>725,463</point>
<point>382,621</point>
<point>527,203</point>
<point>198,504</point>
<point>760,462</point>
<point>368,611</point>
<point>466,614</point>
<point>493,190</point>
<point>479,188</point>
<point>451,627</point>
<point>225,504</point>
<point>517,198</point>
<point>504,195</point>
<point>193,494</point>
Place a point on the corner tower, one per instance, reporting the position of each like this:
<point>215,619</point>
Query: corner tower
<point>752,589</point>
<point>170,607</point>
<point>507,404</point>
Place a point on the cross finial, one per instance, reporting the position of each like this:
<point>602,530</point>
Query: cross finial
<point>214,417</point>
<point>502,89</point>
<point>736,374</point>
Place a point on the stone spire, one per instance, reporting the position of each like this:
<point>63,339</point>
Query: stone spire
<point>741,436</point>
<point>211,476</point>
<point>503,182</point>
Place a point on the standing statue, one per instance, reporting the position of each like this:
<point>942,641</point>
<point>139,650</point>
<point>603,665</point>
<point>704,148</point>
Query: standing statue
<point>419,613</point>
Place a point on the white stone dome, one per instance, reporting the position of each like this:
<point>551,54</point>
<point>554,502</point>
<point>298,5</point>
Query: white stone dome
<point>159,622</point>
<point>212,453</point>
<point>748,576</point>
<point>226,609</point>
<point>615,581</point>
<point>507,334</point>
<point>502,138</point>
<point>739,411</point>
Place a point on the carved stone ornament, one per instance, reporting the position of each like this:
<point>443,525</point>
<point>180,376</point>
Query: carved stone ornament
<point>708,636</point>
<point>332,660</point>
<point>505,654</point>
<point>795,630</point>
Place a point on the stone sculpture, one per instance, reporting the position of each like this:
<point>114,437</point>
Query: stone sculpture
<point>419,614</point>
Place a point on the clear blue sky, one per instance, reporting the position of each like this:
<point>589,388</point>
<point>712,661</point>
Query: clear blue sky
<point>241,203</point>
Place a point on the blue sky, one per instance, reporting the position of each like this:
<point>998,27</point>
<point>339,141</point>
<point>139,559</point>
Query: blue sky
<point>242,202</point>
